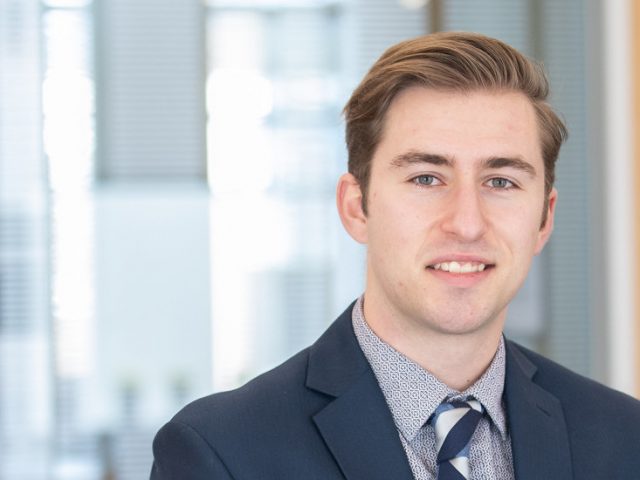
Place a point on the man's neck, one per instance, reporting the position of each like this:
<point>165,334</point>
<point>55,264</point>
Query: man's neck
<point>457,360</point>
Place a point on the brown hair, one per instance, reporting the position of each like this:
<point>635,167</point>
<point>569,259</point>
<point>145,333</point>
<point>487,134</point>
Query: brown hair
<point>457,61</point>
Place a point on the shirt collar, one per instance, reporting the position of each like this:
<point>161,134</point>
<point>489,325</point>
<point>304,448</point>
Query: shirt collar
<point>413,394</point>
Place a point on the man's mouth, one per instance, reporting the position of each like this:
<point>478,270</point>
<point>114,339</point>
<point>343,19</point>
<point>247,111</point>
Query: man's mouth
<point>460,267</point>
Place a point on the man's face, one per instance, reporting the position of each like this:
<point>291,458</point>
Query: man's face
<point>455,205</point>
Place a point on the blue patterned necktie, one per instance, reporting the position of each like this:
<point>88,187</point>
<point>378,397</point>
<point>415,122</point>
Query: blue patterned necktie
<point>454,422</point>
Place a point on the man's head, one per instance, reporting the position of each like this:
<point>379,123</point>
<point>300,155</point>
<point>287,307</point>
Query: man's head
<point>452,147</point>
<point>456,62</point>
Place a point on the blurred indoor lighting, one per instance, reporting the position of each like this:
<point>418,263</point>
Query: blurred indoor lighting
<point>413,4</point>
<point>67,98</point>
<point>66,3</point>
<point>238,94</point>
<point>68,104</point>
<point>238,100</point>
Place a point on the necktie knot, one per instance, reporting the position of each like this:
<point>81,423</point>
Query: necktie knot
<point>454,422</point>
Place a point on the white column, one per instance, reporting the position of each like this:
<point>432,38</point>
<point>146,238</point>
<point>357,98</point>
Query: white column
<point>619,197</point>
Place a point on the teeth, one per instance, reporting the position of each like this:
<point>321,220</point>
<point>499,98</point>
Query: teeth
<point>455,267</point>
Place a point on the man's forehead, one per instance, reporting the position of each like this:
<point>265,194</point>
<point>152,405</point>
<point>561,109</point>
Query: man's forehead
<point>425,99</point>
<point>442,123</point>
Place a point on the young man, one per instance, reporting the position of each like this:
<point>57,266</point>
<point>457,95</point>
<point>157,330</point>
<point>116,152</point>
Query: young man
<point>452,148</point>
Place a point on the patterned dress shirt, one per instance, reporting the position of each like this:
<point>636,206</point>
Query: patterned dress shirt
<point>413,394</point>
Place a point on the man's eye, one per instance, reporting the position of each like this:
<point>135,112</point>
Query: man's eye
<point>501,183</point>
<point>425,180</point>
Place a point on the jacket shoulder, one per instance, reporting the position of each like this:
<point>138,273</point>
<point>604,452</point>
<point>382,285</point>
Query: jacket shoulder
<point>587,404</point>
<point>281,391</point>
<point>569,385</point>
<point>269,395</point>
<point>263,429</point>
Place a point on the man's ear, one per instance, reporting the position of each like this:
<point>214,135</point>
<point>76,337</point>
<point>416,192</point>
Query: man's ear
<point>349,202</point>
<point>547,228</point>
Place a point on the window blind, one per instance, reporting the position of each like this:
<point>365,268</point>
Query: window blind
<point>150,86</point>
<point>25,400</point>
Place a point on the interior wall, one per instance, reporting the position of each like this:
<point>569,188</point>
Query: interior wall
<point>635,62</point>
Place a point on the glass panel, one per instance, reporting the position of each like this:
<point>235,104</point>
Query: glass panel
<point>275,150</point>
<point>68,107</point>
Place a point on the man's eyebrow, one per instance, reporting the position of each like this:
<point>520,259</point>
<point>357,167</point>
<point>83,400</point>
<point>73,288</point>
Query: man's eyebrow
<point>510,162</point>
<point>411,157</point>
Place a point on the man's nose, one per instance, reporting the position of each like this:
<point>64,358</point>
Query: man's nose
<point>465,215</point>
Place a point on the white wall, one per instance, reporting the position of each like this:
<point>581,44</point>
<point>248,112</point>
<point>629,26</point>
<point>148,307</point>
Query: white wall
<point>152,282</point>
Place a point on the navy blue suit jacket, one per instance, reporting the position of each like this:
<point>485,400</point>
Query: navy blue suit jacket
<point>322,415</point>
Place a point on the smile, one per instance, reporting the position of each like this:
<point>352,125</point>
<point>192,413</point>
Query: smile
<point>459,267</point>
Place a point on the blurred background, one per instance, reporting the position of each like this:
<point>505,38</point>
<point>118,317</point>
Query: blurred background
<point>167,219</point>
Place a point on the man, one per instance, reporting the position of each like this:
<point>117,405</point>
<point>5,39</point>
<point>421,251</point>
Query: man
<point>452,148</point>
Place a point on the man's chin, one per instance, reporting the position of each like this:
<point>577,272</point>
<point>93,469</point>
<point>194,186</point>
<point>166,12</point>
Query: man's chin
<point>466,323</point>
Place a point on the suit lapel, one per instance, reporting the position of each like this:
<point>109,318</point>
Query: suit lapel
<point>356,425</point>
<point>359,431</point>
<point>539,438</point>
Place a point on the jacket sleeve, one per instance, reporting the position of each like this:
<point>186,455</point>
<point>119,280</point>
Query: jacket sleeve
<point>180,453</point>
